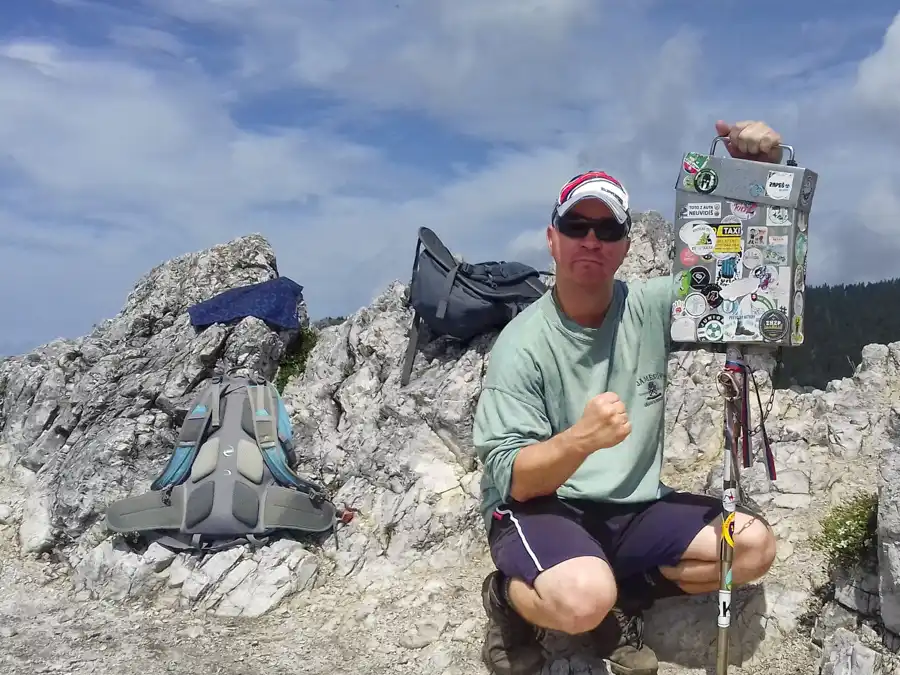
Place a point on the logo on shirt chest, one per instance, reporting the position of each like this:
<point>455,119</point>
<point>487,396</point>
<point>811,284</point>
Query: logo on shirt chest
<point>651,388</point>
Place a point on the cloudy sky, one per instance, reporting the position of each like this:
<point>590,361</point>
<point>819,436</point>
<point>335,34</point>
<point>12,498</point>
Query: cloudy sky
<point>333,127</point>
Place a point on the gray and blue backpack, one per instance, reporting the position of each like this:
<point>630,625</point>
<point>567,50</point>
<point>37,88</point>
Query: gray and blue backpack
<point>230,479</point>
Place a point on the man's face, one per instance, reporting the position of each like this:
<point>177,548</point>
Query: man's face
<point>587,261</point>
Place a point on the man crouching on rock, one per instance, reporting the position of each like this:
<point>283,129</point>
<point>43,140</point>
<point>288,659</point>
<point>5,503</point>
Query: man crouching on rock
<point>570,428</point>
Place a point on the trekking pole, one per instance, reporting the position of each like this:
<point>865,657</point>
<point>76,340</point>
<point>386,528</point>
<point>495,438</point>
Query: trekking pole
<point>732,380</point>
<point>739,274</point>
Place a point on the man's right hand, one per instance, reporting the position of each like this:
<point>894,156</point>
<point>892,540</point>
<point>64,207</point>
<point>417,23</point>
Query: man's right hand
<point>603,424</point>
<point>540,468</point>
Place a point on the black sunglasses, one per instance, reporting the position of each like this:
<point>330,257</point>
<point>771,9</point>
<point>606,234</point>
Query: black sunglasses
<point>605,229</point>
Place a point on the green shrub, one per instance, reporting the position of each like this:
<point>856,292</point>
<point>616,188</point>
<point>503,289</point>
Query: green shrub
<point>293,363</point>
<point>848,533</point>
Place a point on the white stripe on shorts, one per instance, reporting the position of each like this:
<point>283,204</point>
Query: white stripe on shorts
<point>518,526</point>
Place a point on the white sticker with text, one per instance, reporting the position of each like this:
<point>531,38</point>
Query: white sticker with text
<point>711,210</point>
<point>779,184</point>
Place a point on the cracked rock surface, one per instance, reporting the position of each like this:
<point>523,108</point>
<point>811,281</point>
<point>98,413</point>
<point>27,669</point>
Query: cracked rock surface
<point>88,421</point>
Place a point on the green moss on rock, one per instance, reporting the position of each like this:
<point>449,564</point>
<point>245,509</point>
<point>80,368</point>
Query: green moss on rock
<point>293,363</point>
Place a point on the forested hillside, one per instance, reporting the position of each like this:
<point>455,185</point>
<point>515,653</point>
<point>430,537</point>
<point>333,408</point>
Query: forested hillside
<point>839,321</point>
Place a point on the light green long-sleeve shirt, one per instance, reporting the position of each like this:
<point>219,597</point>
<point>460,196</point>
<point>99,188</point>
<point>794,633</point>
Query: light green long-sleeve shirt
<point>543,370</point>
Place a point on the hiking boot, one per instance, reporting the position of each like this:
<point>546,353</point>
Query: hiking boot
<point>621,639</point>
<point>511,645</point>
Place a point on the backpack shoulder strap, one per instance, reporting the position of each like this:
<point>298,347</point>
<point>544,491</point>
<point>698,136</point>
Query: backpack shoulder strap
<point>449,280</point>
<point>264,407</point>
<point>412,345</point>
<point>537,284</point>
<point>205,414</point>
<point>264,411</point>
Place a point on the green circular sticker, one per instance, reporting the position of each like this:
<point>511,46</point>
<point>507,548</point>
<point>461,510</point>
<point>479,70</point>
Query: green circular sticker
<point>711,328</point>
<point>706,181</point>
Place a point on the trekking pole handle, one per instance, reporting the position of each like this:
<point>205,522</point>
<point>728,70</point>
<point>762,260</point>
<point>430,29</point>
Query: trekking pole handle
<point>789,148</point>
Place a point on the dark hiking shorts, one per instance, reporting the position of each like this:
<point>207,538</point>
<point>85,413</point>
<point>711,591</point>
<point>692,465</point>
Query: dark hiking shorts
<point>528,538</point>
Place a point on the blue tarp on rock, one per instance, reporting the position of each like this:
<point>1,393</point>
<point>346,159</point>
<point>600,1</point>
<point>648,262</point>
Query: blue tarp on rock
<point>274,301</point>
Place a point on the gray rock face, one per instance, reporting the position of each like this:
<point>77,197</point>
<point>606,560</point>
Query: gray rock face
<point>845,654</point>
<point>88,421</point>
<point>857,590</point>
<point>402,457</point>
<point>652,248</point>
<point>889,518</point>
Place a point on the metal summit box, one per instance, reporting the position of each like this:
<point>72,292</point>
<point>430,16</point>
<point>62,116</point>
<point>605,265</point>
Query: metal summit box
<point>740,250</point>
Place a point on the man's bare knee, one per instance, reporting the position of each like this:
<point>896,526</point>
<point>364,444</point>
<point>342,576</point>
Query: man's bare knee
<point>755,545</point>
<point>578,593</point>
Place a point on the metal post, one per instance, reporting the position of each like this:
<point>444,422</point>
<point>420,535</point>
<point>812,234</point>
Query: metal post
<point>732,380</point>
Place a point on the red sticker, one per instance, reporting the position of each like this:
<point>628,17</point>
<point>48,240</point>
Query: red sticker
<point>688,257</point>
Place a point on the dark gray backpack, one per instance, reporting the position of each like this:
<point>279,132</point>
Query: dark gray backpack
<point>230,479</point>
<point>462,300</point>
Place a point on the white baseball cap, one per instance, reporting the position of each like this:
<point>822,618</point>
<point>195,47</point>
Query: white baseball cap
<point>594,185</point>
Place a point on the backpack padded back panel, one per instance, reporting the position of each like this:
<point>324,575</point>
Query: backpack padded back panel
<point>224,489</point>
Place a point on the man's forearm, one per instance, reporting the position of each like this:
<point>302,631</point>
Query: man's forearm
<point>540,469</point>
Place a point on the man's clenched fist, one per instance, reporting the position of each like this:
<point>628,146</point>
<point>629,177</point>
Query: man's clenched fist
<point>603,424</point>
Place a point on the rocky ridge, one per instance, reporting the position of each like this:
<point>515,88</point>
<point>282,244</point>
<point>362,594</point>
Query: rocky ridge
<point>84,422</point>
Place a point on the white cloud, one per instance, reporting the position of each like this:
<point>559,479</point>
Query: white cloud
<point>878,84</point>
<point>113,145</point>
<point>118,157</point>
<point>879,206</point>
<point>505,70</point>
<point>530,247</point>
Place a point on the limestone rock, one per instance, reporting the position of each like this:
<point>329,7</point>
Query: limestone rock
<point>889,519</point>
<point>832,617</point>
<point>845,654</point>
<point>857,590</point>
<point>652,248</point>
